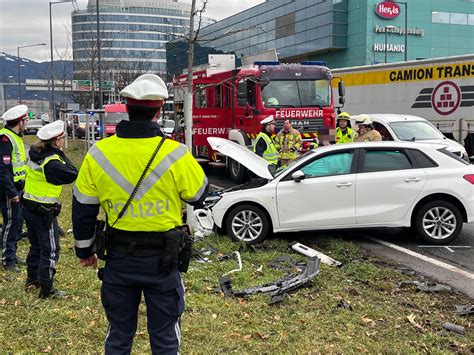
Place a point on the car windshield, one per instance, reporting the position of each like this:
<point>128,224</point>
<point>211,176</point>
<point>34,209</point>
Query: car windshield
<point>116,117</point>
<point>415,130</point>
<point>297,93</point>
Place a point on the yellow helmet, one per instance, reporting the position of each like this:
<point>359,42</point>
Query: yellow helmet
<point>344,116</point>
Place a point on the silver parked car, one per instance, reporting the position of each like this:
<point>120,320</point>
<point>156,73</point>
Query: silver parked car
<point>33,125</point>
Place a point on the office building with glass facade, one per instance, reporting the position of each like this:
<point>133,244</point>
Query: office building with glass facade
<point>133,36</point>
<point>341,32</point>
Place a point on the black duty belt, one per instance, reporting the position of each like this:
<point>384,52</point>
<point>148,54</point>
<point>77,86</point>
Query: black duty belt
<point>38,207</point>
<point>137,243</point>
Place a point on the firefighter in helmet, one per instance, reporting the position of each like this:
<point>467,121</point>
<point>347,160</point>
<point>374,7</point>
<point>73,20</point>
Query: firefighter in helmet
<point>367,133</point>
<point>344,133</point>
<point>288,143</point>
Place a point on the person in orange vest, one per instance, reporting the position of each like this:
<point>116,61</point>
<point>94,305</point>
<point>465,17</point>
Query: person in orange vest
<point>288,143</point>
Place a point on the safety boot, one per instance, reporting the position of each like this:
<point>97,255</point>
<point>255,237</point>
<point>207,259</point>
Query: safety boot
<point>11,268</point>
<point>31,281</point>
<point>47,291</point>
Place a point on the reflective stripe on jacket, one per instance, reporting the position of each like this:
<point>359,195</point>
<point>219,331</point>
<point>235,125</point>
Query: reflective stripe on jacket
<point>347,137</point>
<point>111,170</point>
<point>270,154</point>
<point>37,188</point>
<point>18,154</point>
<point>288,143</point>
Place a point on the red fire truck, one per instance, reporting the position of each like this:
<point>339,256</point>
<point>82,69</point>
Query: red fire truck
<point>231,104</point>
<point>114,113</point>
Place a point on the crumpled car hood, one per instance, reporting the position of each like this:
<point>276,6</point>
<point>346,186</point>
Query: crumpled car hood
<point>247,158</point>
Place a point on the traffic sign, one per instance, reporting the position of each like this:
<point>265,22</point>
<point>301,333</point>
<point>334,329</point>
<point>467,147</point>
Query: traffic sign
<point>107,85</point>
<point>81,85</point>
<point>460,130</point>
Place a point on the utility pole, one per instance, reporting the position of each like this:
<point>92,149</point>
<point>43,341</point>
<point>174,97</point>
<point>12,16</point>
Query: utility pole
<point>188,99</point>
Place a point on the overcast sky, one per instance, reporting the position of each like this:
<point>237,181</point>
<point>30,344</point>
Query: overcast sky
<point>25,22</point>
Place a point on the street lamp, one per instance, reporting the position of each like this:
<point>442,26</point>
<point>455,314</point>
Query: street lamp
<point>51,47</point>
<point>405,3</point>
<point>18,56</point>
<point>385,48</point>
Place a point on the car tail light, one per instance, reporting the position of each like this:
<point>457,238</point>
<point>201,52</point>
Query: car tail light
<point>469,177</point>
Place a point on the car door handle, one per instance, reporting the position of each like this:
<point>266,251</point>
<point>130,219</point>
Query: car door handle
<point>344,184</point>
<point>413,179</point>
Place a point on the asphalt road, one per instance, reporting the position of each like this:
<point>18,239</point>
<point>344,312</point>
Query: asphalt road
<point>452,264</point>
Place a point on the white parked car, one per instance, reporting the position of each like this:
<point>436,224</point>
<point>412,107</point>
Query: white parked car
<point>399,128</point>
<point>346,186</point>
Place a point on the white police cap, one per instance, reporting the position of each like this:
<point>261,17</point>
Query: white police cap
<point>267,120</point>
<point>51,130</point>
<point>16,112</point>
<point>147,90</point>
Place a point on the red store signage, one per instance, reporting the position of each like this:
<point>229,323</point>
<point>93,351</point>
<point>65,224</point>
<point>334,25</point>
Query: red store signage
<point>387,10</point>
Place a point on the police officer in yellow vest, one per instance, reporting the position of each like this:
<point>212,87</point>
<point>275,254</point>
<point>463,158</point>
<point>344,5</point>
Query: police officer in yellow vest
<point>344,133</point>
<point>264,145</point>
<point>12,180</point>
<point>47,171</point>
<point>142,257</point>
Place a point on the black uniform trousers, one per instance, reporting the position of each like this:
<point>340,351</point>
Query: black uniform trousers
<point>44,245</point>
<point>11,212</point>
<point>124,280</point>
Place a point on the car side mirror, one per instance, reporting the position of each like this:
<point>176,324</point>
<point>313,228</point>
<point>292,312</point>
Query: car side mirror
<point>297,176</point>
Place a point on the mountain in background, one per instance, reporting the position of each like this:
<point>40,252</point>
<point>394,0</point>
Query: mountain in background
<point>30,69</point>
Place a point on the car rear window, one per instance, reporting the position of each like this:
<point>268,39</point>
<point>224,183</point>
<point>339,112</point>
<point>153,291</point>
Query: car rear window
<point>422,159</point>
<point>452,155</point>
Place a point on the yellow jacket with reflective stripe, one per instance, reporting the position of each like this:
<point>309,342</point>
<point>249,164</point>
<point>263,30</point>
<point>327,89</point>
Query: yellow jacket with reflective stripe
<point>348,137</point>
<point>111,170</point>
<point>18,154</point>
<point>36,187</point>
<point>270,154</point>
<point>288,143</point>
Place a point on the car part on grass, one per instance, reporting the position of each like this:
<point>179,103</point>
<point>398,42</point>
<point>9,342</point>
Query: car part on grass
<point>239,261</point>
<point>277,288</point>
<point>406,271</point>
<point>202,223</point>
<point>309,252</point>
<point>465,309</point>
<point>285,262</point>
<point>426,286</point>
<point>454,328</point>
<point>342,304</point>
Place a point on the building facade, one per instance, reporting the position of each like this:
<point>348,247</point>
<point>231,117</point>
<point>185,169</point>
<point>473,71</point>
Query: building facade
<point>344,33</point>
<point>133,36</point>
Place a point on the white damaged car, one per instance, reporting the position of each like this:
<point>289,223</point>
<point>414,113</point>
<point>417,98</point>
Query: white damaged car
<point>347,186</point>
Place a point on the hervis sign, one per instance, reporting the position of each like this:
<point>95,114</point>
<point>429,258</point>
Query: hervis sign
<point>387,10</point>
